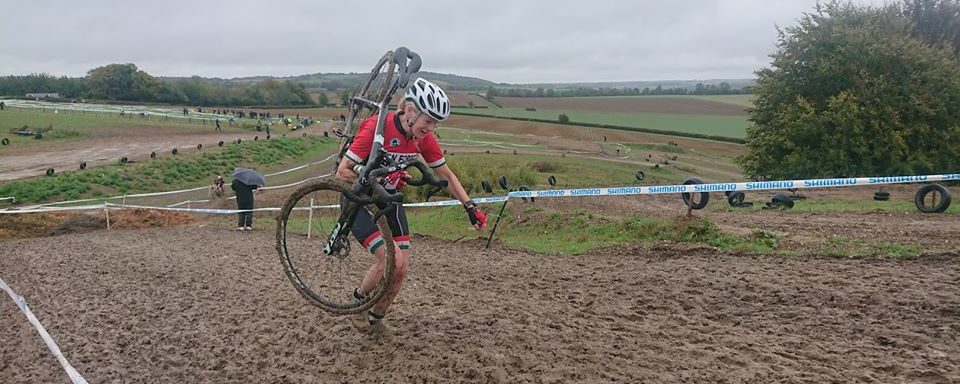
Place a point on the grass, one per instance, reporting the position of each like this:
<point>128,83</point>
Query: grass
<point>169,173</point>
<point>69,125</point>
<point>657,147</point>
<point>724,126</point>
<point>534,170</point>
<point>842,247</point>
<point>564,233</point>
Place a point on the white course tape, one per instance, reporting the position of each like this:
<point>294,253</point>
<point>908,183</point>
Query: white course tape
<point>52,209</point>
<point>580,192</point>
<point>722,187</point>
<point>75,376</point>
<point>302,166</point>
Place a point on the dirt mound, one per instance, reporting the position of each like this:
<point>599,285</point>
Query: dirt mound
<point>61,223</point>
<point>27,224</point>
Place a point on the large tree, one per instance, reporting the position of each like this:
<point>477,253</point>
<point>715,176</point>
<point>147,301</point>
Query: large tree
<point>121,82</point>
<point>852,92</point>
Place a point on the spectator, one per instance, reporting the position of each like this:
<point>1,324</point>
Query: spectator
<point>244,204</point>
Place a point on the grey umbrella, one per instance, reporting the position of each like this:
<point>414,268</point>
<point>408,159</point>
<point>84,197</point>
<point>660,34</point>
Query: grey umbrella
<point>249,177</point>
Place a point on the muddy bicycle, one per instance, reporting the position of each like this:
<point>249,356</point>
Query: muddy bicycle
<point>313,239</point>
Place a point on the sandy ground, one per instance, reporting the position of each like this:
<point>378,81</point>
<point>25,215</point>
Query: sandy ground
<point>200,304</point>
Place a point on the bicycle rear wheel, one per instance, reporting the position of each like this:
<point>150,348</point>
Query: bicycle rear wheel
<point>305,224</point>
<point>374,89</point>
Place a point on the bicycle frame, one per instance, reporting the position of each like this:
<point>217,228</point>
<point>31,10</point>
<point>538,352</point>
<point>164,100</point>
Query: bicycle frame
<point>375,166</point>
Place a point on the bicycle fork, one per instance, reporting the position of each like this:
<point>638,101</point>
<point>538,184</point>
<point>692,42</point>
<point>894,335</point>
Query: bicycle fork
<point>338,235</point>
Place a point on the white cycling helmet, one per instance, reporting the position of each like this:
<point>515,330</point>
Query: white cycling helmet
<point>429,99</point>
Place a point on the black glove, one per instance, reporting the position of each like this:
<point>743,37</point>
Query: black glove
<point>475,214</point>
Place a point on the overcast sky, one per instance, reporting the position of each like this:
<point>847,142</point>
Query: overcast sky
<point>499,40</point>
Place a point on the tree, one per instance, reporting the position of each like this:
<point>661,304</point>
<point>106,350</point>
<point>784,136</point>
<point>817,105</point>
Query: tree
<point>121,82</point>
<point>491,93</point>
<point>563,118</point>
<point>344,97</point>
<point>850,92</point>
<point>323,99</point>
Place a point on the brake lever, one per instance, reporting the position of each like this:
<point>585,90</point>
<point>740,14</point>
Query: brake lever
<point>433,192</point>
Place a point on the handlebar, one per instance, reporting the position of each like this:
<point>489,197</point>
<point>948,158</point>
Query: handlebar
<point>401,55</point>
<point>379,194</point>
<point>428,177</point>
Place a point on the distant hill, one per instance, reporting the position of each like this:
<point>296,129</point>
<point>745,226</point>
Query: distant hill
<point>334,81</point>
<point>452,82</point>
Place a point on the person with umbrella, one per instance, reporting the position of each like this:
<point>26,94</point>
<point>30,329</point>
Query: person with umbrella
<point>245,182</point>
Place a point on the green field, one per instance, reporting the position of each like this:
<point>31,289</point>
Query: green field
<point>169,173</point>
<point>723,126</point>
<point>86,125</point>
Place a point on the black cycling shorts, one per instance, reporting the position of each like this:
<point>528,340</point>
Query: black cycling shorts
<point>369,235</point>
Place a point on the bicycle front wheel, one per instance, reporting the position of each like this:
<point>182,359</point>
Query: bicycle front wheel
<point>306,222</point>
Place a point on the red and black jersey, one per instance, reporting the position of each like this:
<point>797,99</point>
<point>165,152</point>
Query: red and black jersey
<point>395,142</point>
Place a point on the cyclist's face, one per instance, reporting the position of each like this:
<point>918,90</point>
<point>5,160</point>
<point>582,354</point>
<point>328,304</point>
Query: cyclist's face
<point>423,125</point>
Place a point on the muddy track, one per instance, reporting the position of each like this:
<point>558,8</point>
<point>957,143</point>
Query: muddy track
<point>200,304</point>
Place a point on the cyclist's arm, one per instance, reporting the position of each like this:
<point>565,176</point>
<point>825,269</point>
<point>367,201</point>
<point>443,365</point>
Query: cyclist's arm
<point>345,170</point>
<point>453,183</point>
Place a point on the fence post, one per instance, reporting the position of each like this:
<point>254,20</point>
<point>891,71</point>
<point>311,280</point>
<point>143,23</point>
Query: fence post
<point>310,220</point>
<point>106,211</point>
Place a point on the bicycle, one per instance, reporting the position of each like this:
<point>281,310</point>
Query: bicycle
<point>302,256</point>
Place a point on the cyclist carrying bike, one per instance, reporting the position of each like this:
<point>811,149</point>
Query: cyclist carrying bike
<point>408,133</point>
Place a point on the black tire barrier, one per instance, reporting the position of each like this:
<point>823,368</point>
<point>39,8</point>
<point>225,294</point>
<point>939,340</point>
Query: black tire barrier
<point>744,204</point>
<point>304,134</point>
<point>220,144</point>
<point>727,193</point>
<point>5,141</point>
<point>38,136</point>
<point>444,151</point>
<point>526,188</point>
<point>49,171</point>
<point>488,151</point>
<point>640,175</point>
<point>503,182</point>
<point>782,201</point>
<point>486,186</point>
<point>881,198</point>
<point>174,151</point>
<point>255,138</point>
<point>514,151</point>
<point>153,155</point>
<point>124,160</point>
<point>83,165</point>
<point>268,137</point>
<point>735,198</point>
<point>239,141</point>
<point>200,147</point>
<point>920,198</point>
<point>687,197</point>
<point>326,134</point>
<point>552,180</point>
